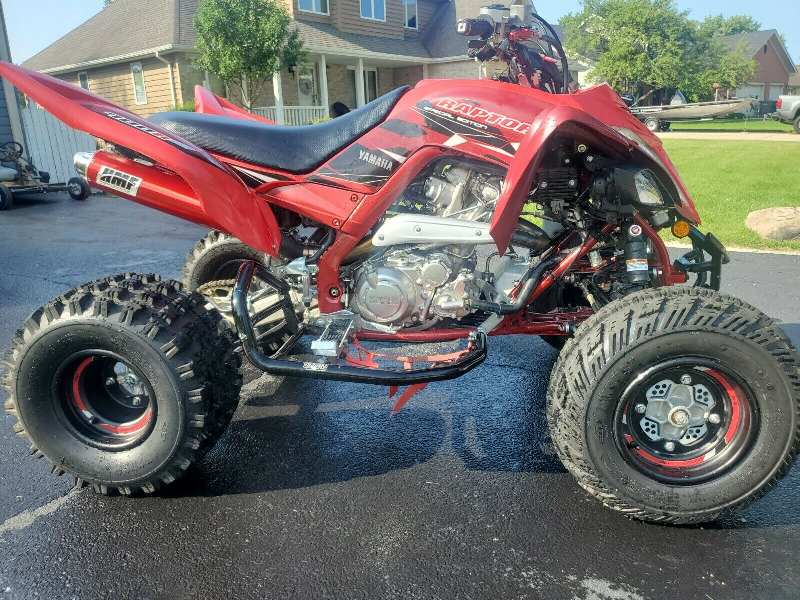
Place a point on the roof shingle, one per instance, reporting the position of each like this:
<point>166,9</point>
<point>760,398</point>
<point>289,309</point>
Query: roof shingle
<point>118,30</point>
<point>131,26</point>
<point>755,40</point>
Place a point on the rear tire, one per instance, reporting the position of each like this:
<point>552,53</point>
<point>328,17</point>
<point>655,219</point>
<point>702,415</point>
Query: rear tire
<point>78,189</point>
<point>610,377</point>
<point>6,197</point>
<point>217,258</point>
<point>797,124</point>
<point>123,383</point>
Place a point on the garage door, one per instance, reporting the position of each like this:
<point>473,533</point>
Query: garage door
<point>775,90</point>
<point>751,91</point>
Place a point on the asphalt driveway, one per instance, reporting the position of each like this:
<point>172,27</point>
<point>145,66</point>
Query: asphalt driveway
<point>315,492</point>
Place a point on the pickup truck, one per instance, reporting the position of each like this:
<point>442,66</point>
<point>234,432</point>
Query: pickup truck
<point>789,111</point>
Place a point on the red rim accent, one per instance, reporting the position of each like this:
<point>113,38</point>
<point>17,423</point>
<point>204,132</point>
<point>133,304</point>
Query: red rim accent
<point>76,384</point>
<point>735,404</point>
<point>670,463</point>
<point>140,424</point>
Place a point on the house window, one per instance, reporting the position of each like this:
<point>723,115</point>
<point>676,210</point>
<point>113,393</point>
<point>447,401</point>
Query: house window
<point>138,83</point>
<point>373,9</point>
<point>83,80</point>
<point>313,6</point>
<point>370,85</point>
<point>410,7</point>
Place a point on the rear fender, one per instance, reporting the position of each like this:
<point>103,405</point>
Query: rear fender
<point>574,123</point>
<point>208,103</point>
<point>219,198</point>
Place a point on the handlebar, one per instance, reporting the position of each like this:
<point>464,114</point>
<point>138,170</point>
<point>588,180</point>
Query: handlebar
<point>505,40</point>
<point>475,28</point>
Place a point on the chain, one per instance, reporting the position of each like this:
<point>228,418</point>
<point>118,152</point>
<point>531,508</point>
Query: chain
<point>207,288</point>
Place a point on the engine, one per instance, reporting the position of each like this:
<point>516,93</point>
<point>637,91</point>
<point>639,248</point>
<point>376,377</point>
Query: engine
<point>409,288</point>
<point>461,192</point>
<point>417,285</point>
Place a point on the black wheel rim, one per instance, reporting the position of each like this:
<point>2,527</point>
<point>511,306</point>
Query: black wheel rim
<point>104,400</point>
<point>686,421</point>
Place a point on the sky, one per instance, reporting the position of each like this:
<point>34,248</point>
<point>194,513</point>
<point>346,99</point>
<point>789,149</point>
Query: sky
<point>35,24</point>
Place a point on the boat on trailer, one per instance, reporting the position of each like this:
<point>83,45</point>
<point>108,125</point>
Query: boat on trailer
<point>658,118</point>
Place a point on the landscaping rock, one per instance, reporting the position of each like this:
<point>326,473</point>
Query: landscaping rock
<point>776,223</point>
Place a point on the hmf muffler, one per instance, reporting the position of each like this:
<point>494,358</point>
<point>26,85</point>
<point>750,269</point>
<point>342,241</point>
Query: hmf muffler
<point>143,183</point>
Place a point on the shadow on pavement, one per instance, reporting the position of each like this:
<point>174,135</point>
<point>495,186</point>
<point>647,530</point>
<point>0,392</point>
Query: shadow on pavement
<point>302,433</point>
<point>793,331</point>
<point>311,446</point>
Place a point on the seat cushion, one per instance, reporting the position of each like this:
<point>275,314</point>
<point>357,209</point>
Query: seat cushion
<point>291,149</point>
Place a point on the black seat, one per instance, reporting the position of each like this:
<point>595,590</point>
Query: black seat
<point>292,149</point>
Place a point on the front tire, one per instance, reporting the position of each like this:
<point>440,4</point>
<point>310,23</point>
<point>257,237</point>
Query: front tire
<point>797,124</point>
<point>678,406</point>
<point>653,125</point>
<point>123,383</point>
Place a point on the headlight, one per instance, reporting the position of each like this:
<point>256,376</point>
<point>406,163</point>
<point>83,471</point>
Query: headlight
<point>638,186</point>
<point>648,188</point>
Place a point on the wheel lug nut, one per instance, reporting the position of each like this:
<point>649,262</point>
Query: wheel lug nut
<point>686,379</point>
<point>641,409</point>
<point>714,419</point>
<point>669,446</point>
<point>111,381</point>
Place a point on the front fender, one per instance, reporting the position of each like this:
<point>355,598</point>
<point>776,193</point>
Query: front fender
<point>220,198</point>
<point>576,123</point>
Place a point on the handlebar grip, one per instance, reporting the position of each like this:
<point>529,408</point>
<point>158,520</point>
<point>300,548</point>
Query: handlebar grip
<point>475,27</point>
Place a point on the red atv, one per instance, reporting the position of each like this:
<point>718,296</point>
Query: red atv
<point>402,221</point>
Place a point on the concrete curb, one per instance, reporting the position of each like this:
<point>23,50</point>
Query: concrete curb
<point>740,249</point>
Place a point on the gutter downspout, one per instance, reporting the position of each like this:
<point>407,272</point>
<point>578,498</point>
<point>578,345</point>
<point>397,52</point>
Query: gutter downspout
<point>171,78</point>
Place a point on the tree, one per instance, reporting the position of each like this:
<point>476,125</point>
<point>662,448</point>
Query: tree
<point>719,26</point>
<point>107,3</point>
<point>244,42</point>
<point>640,46</point>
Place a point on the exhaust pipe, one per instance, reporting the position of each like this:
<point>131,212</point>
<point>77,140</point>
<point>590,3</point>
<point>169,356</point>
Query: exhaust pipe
<point>81,161</point>
<point>142,183</point>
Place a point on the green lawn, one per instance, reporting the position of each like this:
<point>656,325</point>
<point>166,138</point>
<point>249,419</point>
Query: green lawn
<point>735,126</point>
<point>729,179</point>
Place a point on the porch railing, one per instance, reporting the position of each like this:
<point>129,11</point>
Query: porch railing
<point>294,115</point>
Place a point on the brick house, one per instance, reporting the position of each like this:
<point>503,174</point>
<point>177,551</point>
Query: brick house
<point>774,65</point>
<point>357,50</point>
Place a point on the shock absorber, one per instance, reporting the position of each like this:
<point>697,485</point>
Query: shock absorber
<point>638,267</point>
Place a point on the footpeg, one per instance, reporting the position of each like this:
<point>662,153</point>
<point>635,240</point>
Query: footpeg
<point>338,333</point>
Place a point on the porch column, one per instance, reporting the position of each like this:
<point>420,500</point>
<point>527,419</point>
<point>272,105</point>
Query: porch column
<point>360,96</point>
<point>424,70</point>
<point>277,89</point>
<point>323,85</point>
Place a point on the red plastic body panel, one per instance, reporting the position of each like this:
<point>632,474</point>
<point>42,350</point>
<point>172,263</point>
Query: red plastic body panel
<point>225,201</point>
<point>208,103</point>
